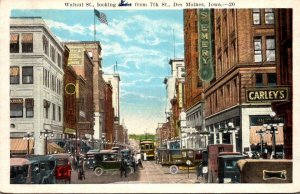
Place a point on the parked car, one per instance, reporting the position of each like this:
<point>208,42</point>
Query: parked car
<point>20,172</point>
<point>42,169</point>
<point>63,168</point>
<point>108,160</point>
<point>228,171</point>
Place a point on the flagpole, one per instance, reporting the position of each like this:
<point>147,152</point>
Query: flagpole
<point>94,26</point>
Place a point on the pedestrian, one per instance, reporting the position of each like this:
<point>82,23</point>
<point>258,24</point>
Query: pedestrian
<point>81,174</point>
<point>133,162</point>
<point>139,159</point>
<point>123,168</point>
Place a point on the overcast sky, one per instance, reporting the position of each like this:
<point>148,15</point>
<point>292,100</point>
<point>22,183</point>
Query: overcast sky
<point>141,42</point>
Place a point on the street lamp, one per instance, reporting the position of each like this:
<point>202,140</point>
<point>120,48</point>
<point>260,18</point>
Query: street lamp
<point>272,128</point>
<point>44,135</point>
<point>27,137</point>
<point>261,133</point>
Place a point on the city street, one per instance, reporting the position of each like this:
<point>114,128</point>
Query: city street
<point>151,174</point>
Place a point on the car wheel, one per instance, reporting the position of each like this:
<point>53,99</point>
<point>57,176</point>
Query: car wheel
<point>173,169</point>
<point>99,171</point>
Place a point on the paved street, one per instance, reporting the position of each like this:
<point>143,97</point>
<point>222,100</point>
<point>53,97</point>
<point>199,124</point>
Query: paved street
<point>152,173</point>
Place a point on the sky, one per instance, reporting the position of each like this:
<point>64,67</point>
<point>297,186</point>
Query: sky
<point>141,42</point>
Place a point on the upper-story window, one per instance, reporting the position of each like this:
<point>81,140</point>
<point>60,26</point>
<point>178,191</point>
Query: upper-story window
<point>269,16</point>
<point>271,79</point>
<point>27,43</point>
<point>27,75</point>
<point>29,102</point>
<point>59,60</point>
<point>52,53</point>
<point>14,75</point>
<point>46,45</point>
<point>257,49</point>
<point>259,79</point>
<point>14,43</point>
<point>16,107</point>
<point>270,48</point>
<point>256,16</point>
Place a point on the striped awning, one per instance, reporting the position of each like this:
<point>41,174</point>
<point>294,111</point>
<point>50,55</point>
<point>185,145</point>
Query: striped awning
<point>19,146</point>
<point>267,137</point>
<point>53,148</point>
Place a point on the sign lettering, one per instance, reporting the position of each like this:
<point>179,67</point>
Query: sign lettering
<point>267,94</point>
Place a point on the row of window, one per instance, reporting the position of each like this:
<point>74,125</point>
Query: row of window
<point>265,16</point>
<point>26,46</point>
<point>269,49</point>
<point>19,105</point>
<point>26,73</point>
<point>52,82</point>
<point>266,78</point>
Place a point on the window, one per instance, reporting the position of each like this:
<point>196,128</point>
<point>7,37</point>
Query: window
<point>16,107</point>
<point>53,112</point>
<point>256,16</point>
<point>269,16</point>
<point>27,43</point>
<point>90,53</point>
<point>27,75</point>
<point>259,79</point>
<point>14,75</point>
<point>14,43</point>
<point>29,107</point>
<point>46,109</point>
<point>59,113</point>
<point>52,53</point>
<point>257,50</point>
<point>59,60</point>
<point>46,45</point>
<point>271,79</point>
<point>270,51</point>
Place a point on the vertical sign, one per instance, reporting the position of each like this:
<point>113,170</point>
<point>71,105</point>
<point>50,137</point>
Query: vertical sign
<point>180,96</point>
<point>205,71</point>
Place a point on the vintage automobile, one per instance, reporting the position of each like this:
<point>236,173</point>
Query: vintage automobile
<point>160,152</point>
<point>181,159</point>
<point>63,168</point>
<point>20,172</point>
<point>265,171</point>
<point>108,160</point>
<point>228,172</point>
<point>42,169</point>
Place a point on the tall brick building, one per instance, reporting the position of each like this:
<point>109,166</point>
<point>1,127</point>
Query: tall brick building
<point>245,57</point>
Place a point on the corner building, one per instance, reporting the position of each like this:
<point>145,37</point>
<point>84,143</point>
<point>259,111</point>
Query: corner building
<point>244,57</point>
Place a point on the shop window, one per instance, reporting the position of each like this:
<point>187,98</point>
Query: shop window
<point>27,43</point>
<point>271,79</point>
<point>29,107</point>
<point>14,43</point>
<point>14,75</point>
<point>269,16</point>
<point>257,50</point>
<point>270,51</point>
<point>256,16</point>
<point>16,107</point>
<point>46,45</point>
<point>27,75</point>
<point>259,79</point>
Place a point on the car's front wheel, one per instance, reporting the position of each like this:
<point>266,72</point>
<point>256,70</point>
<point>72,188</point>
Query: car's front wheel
<point>99,171</point>
<point>173,169</point>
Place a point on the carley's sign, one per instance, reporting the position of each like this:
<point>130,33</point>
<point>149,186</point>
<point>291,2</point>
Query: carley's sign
<point>267,94</point>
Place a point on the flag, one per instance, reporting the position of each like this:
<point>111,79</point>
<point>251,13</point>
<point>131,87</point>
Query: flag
<point>101,16</point>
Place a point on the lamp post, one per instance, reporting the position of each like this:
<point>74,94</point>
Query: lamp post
<point>44,135</point>
<point>272,128</point>
<point>27,137</point>
<point>261,133</point>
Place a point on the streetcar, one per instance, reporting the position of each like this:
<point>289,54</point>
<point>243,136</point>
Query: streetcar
<point>147,146</point>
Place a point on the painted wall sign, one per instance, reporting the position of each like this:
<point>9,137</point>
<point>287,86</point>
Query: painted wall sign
<point>267,94</point>
<point>205,71</point>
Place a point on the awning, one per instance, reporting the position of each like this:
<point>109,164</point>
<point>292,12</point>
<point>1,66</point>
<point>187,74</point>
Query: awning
<point>27,38</point>
<point>267,137</point>
<point>53,148</point>
<point>19,146</point>
<point>14,38</point>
